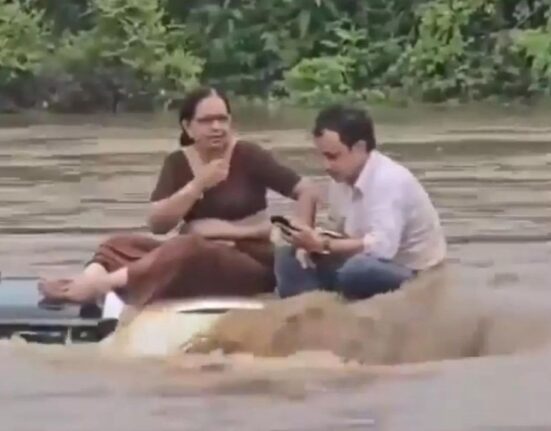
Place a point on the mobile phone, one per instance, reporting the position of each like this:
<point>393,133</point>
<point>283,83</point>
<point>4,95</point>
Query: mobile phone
<point>283,222</point>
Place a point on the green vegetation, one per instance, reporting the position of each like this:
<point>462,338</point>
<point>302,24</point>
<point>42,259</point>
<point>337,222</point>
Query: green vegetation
<point>98,54</point>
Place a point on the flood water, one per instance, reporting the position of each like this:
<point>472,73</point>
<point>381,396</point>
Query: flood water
<point>67,182</point>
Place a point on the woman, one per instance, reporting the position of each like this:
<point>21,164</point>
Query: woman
<point>215,186</point>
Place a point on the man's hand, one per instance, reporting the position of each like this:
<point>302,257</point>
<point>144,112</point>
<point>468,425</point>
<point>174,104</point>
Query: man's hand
<point>304,258</point>
<point>304,238</point>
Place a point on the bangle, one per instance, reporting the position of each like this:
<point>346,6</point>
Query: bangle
<point>194,188</point>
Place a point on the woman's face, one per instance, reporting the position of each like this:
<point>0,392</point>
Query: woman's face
<point>210,127</point>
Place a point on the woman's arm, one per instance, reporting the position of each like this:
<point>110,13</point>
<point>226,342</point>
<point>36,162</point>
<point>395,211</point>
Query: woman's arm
<point>306,202</point>
<point>274,175</point>
<point>165,214</point>
<point>254,226</point>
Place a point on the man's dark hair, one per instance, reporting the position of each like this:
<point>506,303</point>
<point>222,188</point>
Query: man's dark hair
<point>352,124</point>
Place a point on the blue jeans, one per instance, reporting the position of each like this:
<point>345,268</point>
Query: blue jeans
<point>358,277</point>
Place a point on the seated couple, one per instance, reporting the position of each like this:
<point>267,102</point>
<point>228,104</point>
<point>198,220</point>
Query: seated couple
<point>215,187</point>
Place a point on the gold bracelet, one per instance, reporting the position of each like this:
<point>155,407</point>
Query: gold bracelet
<point>326,245</point>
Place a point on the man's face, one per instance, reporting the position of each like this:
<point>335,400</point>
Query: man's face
<point>341,163</point>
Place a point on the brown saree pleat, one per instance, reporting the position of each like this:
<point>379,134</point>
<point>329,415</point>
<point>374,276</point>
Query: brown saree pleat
<point>188,266</point>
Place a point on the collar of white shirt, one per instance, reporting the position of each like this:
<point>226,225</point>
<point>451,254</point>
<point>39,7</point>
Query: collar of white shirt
<point>368,169</point>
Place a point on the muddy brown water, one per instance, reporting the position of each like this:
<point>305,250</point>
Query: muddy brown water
<point>67,182</point>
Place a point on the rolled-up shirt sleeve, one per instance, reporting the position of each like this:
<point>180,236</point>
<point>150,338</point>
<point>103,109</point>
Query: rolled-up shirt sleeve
<point>384,232</point>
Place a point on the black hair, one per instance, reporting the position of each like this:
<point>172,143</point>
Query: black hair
<point>352,125</point>
<point>189,105</point>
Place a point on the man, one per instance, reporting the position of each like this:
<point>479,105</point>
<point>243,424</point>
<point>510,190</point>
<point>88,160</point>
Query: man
<point>392,230</point>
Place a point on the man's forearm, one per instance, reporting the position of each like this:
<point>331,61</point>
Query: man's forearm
<point>344,247</point>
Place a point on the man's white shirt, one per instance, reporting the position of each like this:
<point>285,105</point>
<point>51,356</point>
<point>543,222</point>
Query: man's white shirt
<point>391,211</point>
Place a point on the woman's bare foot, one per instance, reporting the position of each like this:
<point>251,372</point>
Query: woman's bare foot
<point>54,290</point>
<point>80,290</point>
<point>89,286</point>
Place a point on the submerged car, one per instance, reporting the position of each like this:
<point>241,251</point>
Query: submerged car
<point>24,313</point>
<point>160,329</point>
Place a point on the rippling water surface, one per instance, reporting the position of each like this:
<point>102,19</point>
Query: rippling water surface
<point>66,183</point>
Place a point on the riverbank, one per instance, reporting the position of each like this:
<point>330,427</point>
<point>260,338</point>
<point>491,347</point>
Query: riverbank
<point>280,125</point>
<point>134,55</point>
